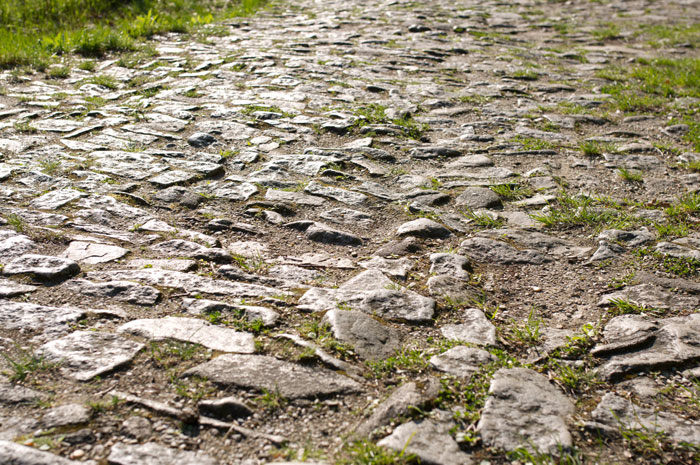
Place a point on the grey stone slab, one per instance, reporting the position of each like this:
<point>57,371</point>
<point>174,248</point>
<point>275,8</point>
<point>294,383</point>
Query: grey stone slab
<point>225,408</point>
<point>172,178</point>
<point>524,410</point>
<point>294,197</point>
<point>14,246</point>
<point>369,338</point>
<point>12,453</point>
<point>122,291</point>
<point>191,330</point>
<point>180,265</point>
<point>373,293</point>
<point>633,343</point>
<point>429,440</point>
<point>152,453</point>
<point>424,228</point>
<point>42,267</point>
<point>478,198</point>
<point>56,199</point>
<point>341,195</point>
<point>398,404</point>
<point>486,250</point>
<point>82,355</point>
<point>187,282</point>
<point>617,413</point>
<point>181,248</point>
<point>262,372</point>
<point>630,238</point>
<point>450,264</point>
<point>25,316</point>
<point>9,288</point>
<point>93,253</point>
<point>652,296</point>
<point>462,361</point>
<point>347,216</point>
<point>11,393</point>
<point>397,268</point>
<point>268,316</point>
<point>677,250</point>
<point>477,329</point>
<point>66,415</point>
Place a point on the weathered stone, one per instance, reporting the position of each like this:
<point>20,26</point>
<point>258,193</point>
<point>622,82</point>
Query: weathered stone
<point>478,198</point>
<point>14,246</point>
<point>631,238</point>
<point>85,354</point>
<point>399,403</point>
<point>450,264</point>
<point>42,267</point>
<point>651,296</point>
<point>423,227</point>
<point>458,291</point>
<point>341,195</point>
<point>524,410</point>
<point>369,338</point>
<point>250,312</point>
<point>633,343</point>
<point>191,330</point>
<point>92,254</point>
<point>122,291</point>
<point>262,372</point>
<point>397,268</point>
<point>65,415</point>
<point>152,453</point>
<point>187,282</point>
<point>398,248</point>
<point>347,216</point>
<point>180,248</point>
<point>12,453</point>
<point>24,316</point>
<point>486,250</point>
<point>11,394</point>
<point>434,152</point>
<point>201,139</point>
<point>462,361</point>
<point>373,293</point>
<point>615,413</point>
<point>429,440</point>
<point>9,288</point>
<point>56,199</point>
<point>180,265</point>
<point>319,232</point>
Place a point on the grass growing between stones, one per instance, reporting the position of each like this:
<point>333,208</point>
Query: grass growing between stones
<point>33,31</point>
<point>24,363</point>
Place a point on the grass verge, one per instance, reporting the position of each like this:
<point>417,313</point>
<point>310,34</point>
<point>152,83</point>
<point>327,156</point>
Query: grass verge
<point>33,32</point>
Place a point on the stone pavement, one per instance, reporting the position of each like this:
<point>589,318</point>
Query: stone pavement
<point>407,223</point>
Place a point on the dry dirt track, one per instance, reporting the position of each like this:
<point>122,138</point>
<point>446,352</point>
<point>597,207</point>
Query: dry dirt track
<point>464,230</point>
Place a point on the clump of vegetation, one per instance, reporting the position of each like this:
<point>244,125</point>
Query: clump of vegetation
<point>24,363</point>
<point>376,114</point>
<point>572,211</point>
<point>31,31</point>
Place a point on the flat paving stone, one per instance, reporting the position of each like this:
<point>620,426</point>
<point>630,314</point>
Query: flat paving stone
<point>122,291</point>
<point>191,330</point>
<point>373,293</point>
<point>429,440</point>
<point>369,338</point>
<point>82,355</point>
<point>12,453</point>
<point>462,361</point>
<point>42,267</point>
<point>424,228</point>
<point>524,410</point>
<point>260,372</point>
<point>152,453</point>
<point>92,254</point>
<point>477,329</point>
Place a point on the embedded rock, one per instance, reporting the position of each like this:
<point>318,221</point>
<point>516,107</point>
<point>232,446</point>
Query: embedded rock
<point>260,372</point>
<point>193,331</point>
<point>429,440</point>
<point>524,410</point>
<point>369,338</point>
<point>42,266</point>
<point>82,355</point>
<point>152,453</point>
